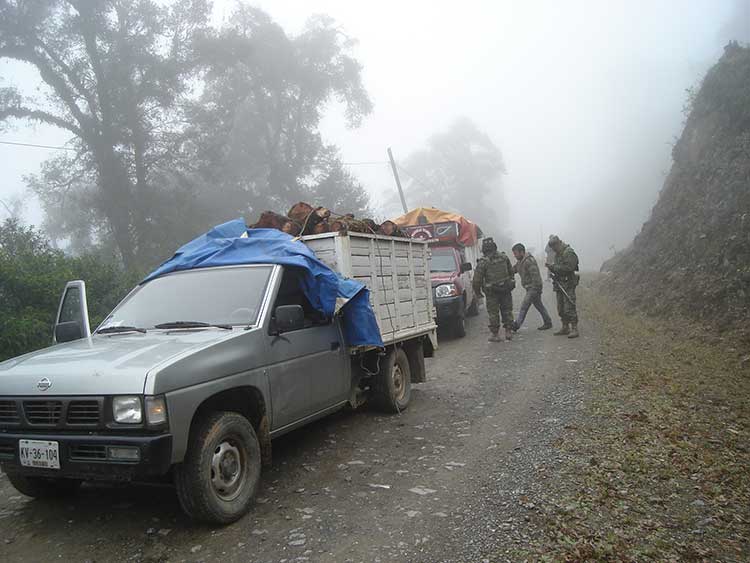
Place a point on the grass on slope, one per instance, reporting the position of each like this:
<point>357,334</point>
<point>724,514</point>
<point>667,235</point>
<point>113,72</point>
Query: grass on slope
<point>662,468</point>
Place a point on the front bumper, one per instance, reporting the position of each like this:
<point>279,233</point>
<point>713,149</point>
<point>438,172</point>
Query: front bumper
<point>84,456</point>
<point>449,308</point>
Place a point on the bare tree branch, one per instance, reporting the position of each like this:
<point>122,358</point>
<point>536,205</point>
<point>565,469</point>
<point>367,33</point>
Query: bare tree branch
<point>40,116</point>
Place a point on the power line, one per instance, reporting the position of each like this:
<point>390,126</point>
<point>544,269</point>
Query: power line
<point>36,146</point>
<point>16,144</point>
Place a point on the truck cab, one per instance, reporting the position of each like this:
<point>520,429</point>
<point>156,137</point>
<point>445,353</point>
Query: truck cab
<point>450,275</point>
<point>455,251</point>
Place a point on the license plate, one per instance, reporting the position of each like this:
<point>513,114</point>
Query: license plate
<point>39,453</point>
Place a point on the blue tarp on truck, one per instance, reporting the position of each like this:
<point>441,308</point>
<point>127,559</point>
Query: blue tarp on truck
<point>232,244</point>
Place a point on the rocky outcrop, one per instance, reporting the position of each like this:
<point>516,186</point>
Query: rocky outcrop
<point>692,256</point>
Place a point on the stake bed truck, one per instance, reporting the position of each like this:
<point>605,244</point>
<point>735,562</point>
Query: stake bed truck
<point>195,372</point>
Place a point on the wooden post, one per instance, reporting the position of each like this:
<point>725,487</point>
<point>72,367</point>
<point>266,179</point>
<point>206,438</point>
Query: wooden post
<point>398,182</point>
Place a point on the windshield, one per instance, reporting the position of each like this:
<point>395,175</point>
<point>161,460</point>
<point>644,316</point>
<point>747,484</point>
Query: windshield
<point>230,296</point>
<point>443,261</point>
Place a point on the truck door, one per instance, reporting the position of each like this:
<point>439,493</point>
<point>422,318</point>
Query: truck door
<point>72,321</point>
<point>308,371</point>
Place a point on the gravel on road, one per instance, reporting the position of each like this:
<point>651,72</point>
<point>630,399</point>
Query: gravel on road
<point>449,479</point>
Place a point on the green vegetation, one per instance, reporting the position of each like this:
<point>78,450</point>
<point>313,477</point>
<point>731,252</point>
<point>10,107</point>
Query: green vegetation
<point>32,276</point>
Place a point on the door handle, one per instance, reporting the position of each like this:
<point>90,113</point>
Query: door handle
<point>335,346</point>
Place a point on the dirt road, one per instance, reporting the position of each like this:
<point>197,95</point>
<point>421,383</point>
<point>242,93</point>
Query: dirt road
<point>444,481</point>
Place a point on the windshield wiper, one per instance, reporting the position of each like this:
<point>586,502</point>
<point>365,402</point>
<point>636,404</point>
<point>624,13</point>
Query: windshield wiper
<point>191,324</point>
<point>113,329</point>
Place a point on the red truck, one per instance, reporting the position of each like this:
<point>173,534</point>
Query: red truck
<point>455,244</point>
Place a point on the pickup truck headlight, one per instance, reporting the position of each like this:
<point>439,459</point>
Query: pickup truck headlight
<point>156,410</point>
<point>127,410</point>
<point>446,290</point>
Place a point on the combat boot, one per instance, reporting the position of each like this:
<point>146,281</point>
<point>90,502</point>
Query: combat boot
<point>508,334</point>
<point>564,331</point>
<point>574,331</point>
<point>494,338</point>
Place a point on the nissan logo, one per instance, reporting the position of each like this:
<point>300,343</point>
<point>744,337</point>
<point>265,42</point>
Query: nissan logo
<point>44,384</point>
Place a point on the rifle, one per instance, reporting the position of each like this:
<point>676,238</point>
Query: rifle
<point>556,285</point>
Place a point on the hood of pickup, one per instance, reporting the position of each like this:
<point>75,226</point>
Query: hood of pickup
<point>104,365</point>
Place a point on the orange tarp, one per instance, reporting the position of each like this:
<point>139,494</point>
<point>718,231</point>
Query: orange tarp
<point>468,231</point>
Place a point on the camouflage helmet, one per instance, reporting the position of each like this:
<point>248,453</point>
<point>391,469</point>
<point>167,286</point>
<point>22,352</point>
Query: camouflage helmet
<point>488,245</point>
<point>554,240</point>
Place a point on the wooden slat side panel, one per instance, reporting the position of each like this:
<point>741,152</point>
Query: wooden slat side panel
<point>396,273</point>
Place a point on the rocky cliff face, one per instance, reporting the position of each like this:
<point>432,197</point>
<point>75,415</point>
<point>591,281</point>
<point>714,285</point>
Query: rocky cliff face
<point>692,256</point>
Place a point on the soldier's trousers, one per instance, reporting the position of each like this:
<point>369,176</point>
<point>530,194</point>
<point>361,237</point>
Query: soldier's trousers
<point>533,297</point>
<point>500,303</point>
<point>566,308</point>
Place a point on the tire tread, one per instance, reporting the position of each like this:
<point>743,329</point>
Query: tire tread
<point>190,475</point>
<point>381,392</point>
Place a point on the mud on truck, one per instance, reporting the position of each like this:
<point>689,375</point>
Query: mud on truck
<point>244,335</point>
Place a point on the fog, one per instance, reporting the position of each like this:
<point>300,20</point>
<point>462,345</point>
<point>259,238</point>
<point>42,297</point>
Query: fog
<point>584,99</point>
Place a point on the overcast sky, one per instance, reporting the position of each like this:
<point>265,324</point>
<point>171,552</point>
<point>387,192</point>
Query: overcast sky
<point>584,98</point>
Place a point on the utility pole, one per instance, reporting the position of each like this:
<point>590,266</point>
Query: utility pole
<point>8,209</point>
<point>398,182</point>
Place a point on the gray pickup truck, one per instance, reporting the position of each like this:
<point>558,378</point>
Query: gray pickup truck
<point>194,373</point>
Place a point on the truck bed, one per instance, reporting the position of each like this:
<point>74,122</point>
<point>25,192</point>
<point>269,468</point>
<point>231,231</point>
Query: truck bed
<point>395,270</point>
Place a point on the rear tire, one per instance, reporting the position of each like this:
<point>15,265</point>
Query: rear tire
<point>391,390</point>
<point>219,477</point>
<point>44,487</point>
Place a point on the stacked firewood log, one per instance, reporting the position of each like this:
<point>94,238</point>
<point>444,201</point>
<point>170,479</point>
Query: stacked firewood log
<point>305,219</point>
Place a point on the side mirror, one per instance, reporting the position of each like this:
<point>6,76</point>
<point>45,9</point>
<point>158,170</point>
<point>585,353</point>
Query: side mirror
<point>466,267</point>
<point>65,332</point>
<point>288,318</point>
<point>72,322</point>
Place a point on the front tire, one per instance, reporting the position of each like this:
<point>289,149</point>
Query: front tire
<point>459,326</point>
<point>43,487</point>
<point>220,475</point>
<point>392,388</point>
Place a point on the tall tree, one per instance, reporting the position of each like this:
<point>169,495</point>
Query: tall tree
<point>177,125</point>
<point>255,141</point>
<point>336,188</point>
<point>460,171</point>
<point>114,72</point>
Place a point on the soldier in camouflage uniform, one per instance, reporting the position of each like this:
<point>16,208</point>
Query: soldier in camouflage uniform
<point>494,277</point>
<point>565,279</point>
<point>531,280</point>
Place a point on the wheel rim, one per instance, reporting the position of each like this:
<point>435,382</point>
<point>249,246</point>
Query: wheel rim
<point>399,383</point>
<point>228,470</point>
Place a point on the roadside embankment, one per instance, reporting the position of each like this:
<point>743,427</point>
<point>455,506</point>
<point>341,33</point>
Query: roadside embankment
<point>692,256</point>
<point>658,461</point>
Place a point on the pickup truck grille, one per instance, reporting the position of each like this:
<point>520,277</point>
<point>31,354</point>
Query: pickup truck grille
<point>42,412</point>
<point>84,412</point>
<point>53,412</point>
<point>9,413</point>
